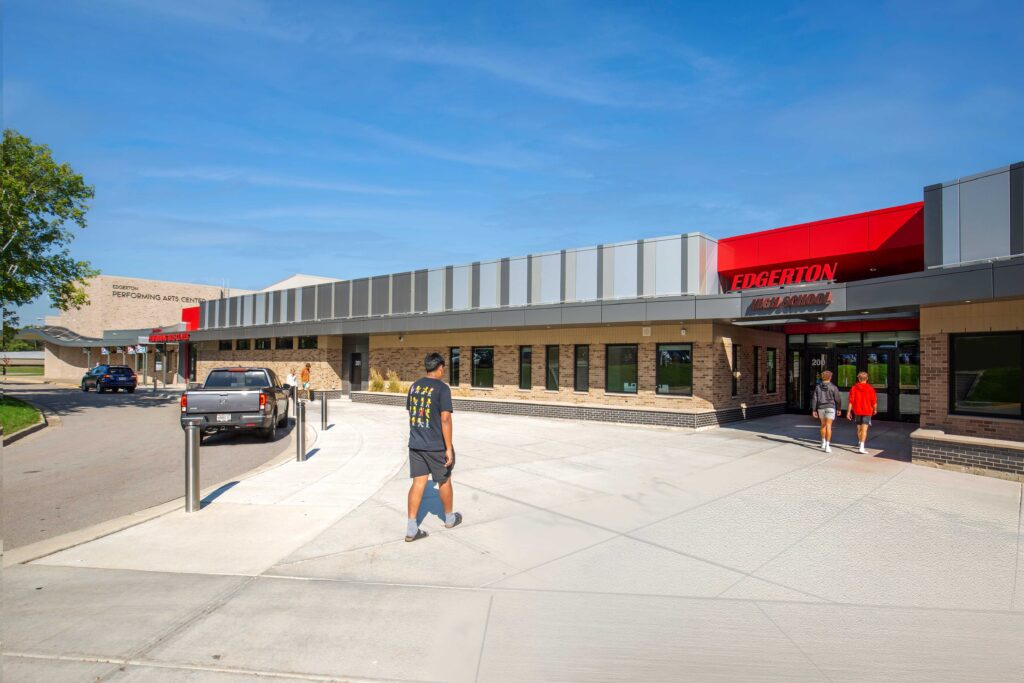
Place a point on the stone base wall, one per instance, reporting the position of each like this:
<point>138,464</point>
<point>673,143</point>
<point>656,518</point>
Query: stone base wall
<point>69,363</point>
<point>712,364</point>
<point>973,458</point>
<point>660,418</point>
<point>325,370</point>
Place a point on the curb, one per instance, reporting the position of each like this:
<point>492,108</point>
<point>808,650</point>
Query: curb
<point>43,423</point>
<point>50,546</point>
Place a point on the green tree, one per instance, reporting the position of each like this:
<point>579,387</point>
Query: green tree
<point>39,200</point>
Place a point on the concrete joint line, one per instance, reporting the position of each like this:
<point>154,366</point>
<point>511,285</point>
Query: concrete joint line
<point>793,642</point>
<point>483,638</point>
<point>1020,550</point>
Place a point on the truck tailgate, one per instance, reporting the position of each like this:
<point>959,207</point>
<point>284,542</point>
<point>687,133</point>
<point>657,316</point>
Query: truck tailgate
<point>217,401</point>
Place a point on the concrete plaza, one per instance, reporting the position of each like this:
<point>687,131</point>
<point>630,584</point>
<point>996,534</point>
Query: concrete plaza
<point>589,552</point>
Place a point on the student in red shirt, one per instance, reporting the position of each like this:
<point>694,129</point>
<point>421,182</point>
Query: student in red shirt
<point>863,404</point>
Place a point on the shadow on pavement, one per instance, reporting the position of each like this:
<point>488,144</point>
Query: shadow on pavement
<point>219,491</point>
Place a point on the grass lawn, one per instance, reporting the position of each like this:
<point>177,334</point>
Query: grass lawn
<point>15,415</point>
<point>25,370</point>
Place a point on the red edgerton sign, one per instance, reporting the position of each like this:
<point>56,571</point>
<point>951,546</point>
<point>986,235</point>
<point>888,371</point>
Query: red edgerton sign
<point>816,272</point>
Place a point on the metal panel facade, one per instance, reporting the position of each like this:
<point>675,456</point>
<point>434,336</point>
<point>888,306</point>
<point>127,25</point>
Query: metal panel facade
<point>361,297</point>
<point>985,217</point>
<point>422,287</point>
<point>308,299</point>
<point>325,301</point>
<point>380,292</point>
<point>401,293</point>
<point>342,294</point>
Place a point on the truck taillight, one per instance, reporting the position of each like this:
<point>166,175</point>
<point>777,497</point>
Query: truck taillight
<point>184,403</point>
<point>263,401</point>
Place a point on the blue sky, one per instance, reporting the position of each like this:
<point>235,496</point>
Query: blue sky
<point>241,141</point>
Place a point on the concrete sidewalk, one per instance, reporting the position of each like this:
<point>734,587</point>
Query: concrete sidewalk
<point>589,551</point>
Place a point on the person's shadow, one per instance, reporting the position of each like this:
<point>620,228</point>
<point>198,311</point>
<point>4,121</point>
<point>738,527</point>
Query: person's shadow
<point>431,503</point>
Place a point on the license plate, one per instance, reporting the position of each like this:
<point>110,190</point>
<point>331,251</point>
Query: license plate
<point>223,417</point>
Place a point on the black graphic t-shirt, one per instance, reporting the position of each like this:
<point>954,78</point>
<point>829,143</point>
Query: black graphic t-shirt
<point>427,399</point>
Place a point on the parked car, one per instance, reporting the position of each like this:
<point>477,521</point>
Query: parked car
<point>239,399</point>
<point>104,378</point>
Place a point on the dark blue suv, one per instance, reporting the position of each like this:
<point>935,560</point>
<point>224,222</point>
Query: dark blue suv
<point>112,377</point>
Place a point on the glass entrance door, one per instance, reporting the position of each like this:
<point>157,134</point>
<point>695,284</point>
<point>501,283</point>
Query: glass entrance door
<point>818,361</point>
<point>909,382</point>
<point>881,370</point>
<point>796,386</point>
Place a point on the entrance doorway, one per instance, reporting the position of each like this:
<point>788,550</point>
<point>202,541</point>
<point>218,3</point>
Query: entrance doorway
<point>355,372</point>
<point>892,361</point>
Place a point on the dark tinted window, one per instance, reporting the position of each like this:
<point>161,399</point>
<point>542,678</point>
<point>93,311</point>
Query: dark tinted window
<point>307,342</point>
<point>581,374</point>
<point>771,382</point>
<point>285,343</point>
<point>483,367</point>
<point>551,368</point>
<point>620,368</point>
<point>453,366</point>
<point>224,345</point>
<point>675,369</point>
<point>525,367</point>
<point>236,379</point>
<point>242,344</point>
<point>121,370</point>
<point>985,374</point>
<point>263,344</point>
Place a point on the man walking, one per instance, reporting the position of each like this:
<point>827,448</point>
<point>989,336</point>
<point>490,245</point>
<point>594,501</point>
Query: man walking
<point>863,404</point>
<point>827,402</point>
<point>429,404</point>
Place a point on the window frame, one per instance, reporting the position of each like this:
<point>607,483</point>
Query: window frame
<point>243,345</point>
<point>266,340</point>
<point>473,368</point>
<point>607,367</point>
<point>576,368</point>
<point>771,367</point>
<point>289,347</point>
<point>951,376</point>
<point>657,369</point>
<point>454,365</point>
<point>547,367</point>
<point>222,342</point>
<point>528,366</point>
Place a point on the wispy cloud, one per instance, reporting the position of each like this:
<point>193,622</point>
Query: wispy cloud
<point>217,174</point>
<point>244,16</point>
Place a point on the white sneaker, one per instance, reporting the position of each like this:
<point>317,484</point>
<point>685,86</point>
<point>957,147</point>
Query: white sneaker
<point>824,444</point>
<point>862,449</point>
<point>828,449</point>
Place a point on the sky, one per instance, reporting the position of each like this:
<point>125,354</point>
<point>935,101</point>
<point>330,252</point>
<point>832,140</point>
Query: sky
<point>236,142</point>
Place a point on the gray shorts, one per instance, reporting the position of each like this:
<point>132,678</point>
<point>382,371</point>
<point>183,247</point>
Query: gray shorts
<point>422,463</point>
<point>826,413</point>
<point>862,420</point>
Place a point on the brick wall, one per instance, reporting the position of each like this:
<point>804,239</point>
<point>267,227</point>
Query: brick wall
<point>937,323</point>
<point>969,457</point>
<point>325,361</point>
<point>712,356</point>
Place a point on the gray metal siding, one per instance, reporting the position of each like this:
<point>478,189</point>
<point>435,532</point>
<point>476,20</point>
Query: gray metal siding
<point>309,302</point>
<point>324,301</point>
<point>401,293</point>
<point>933,225</point>
<point>422,290</point>
<point>449,287</point>
<point>1017,209</point>
<point>360,297</point>
<point>341,297</point>
<point>505,278</point>
<point>380,291</point>
<point>290,311</point>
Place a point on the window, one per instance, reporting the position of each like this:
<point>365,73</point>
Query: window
<point>284,343</point>
<point>735,369</point>
<point>525,367</point>
<point>770,382</point>
<point>242,344</point>
<point>985,374</point>
<point>263,344</point>
<point>224,345</point>
<point>757,369</point>
<point>307,342</point>
<point>581,378</point>
<point>453,366</point>
<point>675,369</point>
<point>551,368</point>
<point>483,367</point>
<point>620,368</point>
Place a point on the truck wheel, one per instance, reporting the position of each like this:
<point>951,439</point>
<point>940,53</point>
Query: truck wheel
<point>130,390</point>
<point>85,387</point>
<point>270,433</point>
<point>100,389</point>
<point>283,422</point>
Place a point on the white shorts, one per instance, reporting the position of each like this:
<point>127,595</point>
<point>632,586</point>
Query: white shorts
<point>826,413</point>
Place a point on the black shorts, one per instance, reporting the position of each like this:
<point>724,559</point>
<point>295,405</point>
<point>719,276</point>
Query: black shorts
<point>862,419</point>
<point>422,463</point>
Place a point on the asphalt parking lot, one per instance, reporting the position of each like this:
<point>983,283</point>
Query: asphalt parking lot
<point>112,455</point>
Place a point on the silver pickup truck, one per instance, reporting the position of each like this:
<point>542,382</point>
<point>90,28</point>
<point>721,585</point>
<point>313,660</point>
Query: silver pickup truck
<point>239,399</point>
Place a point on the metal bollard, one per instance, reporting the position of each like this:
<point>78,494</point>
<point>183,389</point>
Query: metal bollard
<point>323,410</point>
<point>300,427</point>
<point>192,440</point>
<point>154,385</point>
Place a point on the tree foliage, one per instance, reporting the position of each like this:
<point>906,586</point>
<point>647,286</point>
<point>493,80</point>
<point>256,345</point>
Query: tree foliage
<point>40,200</point>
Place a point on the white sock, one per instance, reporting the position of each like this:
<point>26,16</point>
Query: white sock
<point>862,444</point>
